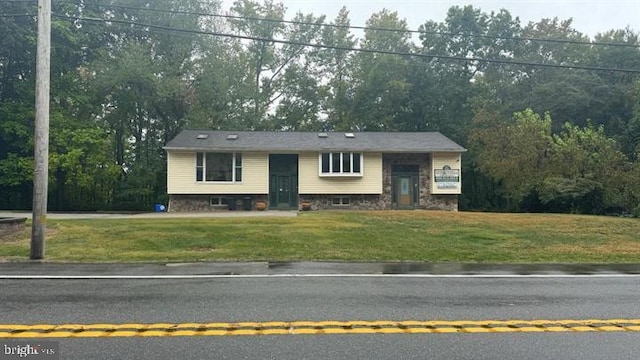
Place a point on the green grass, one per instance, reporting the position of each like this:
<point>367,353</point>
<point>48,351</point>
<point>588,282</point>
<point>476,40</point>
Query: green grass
<point>342,236</point>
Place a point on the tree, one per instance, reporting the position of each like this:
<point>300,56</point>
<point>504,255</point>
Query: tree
<point>300,89</point>
<point>619,102</point>
<point>515,153</point>
<point>121,91</point>
<point>17,51</point>
<point>579,169</point>
<point>451,85</point>
<point>82,174</point>
<point>16,155</point>
<point>381,86</point>
<point>140,81</point>
<point>337,66</point>
<point>588,169</point>
<point>265,64</point>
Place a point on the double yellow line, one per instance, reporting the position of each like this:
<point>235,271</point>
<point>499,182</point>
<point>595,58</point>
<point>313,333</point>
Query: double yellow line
<point>17,331</point>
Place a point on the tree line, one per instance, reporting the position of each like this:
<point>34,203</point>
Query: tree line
<point>551,117</point>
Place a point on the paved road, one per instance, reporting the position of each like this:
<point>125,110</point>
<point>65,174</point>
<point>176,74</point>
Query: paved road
<point>319,298</point>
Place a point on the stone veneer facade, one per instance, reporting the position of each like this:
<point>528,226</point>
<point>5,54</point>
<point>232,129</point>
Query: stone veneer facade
<point>384,201</point>
<point>201,203</point>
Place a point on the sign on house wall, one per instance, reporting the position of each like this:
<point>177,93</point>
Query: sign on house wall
<point>446,177</point>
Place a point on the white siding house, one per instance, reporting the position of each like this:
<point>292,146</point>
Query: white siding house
<point>220,170</point>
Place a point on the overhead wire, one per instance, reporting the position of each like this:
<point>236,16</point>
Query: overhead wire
<point>438,33</point>
<point>344,48</point>
<point>365,28</point>
<point>288,42</point>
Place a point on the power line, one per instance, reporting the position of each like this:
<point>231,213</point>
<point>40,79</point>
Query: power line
<point>296,43</point>
<point>437,33</point>
<point>17,15</point>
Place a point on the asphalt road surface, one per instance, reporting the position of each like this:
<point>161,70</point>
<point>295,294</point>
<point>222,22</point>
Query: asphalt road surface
<point>321,317</point>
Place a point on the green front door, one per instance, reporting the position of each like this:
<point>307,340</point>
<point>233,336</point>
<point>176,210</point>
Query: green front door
<point>282,191</point>
<point>283,181</point>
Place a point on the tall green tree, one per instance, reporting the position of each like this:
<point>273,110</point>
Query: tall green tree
<point>381,86</point>
<point>141,82</point>
<point>463,34</point>
<point>300,88</point>
<point>516,153</point>
<point>591,163</point>
<point>337,65</point>
<point>620,94</point>
<point>17,71</point>
<point>265,64</point>
<point>578,169</point>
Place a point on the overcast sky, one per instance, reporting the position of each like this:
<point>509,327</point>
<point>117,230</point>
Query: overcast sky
<point>589,17</point>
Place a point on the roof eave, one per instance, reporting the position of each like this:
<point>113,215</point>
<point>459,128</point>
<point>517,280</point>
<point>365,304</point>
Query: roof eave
<point>421,151</point>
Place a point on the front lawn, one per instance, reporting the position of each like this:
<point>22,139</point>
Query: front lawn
<point>429,236</point>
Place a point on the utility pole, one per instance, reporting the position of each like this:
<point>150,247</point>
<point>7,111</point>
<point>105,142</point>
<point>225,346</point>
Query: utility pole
<point>41,139</point>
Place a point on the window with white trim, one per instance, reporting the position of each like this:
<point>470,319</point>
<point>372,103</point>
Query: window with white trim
<point>218,167</point>
<point>340,163</point>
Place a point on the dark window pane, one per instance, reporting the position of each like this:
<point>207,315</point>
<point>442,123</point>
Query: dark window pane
<point>238,167</point>
<point>346,162</point>
<point>219,167</point>
<point>199,166</point>
<point>325,162</point>
<point>335,162</point>
<point>356,162</point>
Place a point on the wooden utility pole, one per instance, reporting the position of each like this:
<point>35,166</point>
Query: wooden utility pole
<point>41,139</point>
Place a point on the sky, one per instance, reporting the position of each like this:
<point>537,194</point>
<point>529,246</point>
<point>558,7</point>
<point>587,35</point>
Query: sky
<point>589,17</point>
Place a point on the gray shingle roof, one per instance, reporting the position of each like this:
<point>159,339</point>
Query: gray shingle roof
<point>416,142</point>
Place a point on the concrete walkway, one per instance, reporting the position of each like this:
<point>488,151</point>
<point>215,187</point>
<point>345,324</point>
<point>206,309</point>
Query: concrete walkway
<point>153,215</point>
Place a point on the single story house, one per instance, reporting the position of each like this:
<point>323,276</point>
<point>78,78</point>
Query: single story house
<point>219,170</point>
